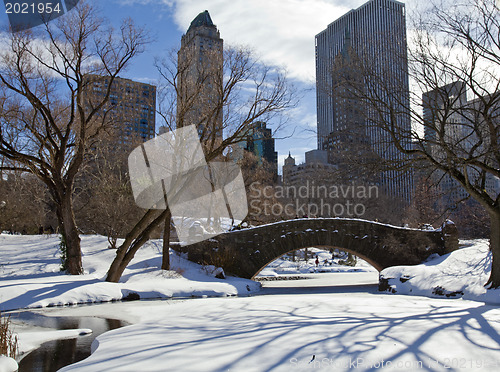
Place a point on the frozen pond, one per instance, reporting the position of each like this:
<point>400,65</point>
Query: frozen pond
<point>53,355</point>
<point>291,327</point>
<point>327,321</point>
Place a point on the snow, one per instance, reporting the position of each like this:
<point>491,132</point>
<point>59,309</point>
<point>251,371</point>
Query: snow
<point>205,228</point>
<point>294,325</point>
<point>29,340</point>
<point>283,332</point>
<point>345,219</point>
<point>7,364</point>
<point>30,276</point>
<point>322,280</point>
<point>285,266</point>
<point>460,274</point>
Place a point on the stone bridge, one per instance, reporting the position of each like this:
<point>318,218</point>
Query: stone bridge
<point>246,252</point>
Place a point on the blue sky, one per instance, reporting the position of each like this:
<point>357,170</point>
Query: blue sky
<point>281,32</point>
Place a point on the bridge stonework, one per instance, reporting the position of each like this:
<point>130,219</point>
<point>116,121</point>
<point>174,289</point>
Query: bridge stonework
<point>245,252</point>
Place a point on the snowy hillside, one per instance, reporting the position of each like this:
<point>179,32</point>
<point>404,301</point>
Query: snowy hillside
<point>460,274</point>
<point>30,276</point>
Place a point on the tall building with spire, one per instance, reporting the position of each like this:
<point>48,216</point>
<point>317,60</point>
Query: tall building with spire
<point>200,69</point>
<point>372,36</point>
<point>288,168</point>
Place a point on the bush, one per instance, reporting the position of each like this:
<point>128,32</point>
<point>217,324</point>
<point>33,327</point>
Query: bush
<point>8,341</point>
<point>221,257</point>
<point>63,251</point>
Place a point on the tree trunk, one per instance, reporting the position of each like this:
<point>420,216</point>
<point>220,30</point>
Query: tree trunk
<point>134,240</point>
<point>494,280</point>
<point>68,227</point>
<point>165,262</point>
<point>114,273</point>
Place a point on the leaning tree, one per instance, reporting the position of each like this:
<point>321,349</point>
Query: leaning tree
<point>222,97</point>
<point>50,113</point>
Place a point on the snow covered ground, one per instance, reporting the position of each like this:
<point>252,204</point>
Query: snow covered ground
<point>30,276</point>
<point>285,266</point>
<point>293,325</point>
<point>323,280</point>
<point>460,274</point>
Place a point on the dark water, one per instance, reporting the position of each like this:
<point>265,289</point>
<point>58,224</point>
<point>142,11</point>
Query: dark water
<point>53,355</point>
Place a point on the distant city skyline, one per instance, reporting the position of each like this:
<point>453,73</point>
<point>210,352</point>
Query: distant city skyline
<point>280,32</point>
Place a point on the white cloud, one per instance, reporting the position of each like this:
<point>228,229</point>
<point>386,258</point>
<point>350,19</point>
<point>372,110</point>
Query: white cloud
<point>280,31</point>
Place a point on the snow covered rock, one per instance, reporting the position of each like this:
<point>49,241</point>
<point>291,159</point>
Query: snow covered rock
<point>8,364</point>
<point>216,272</point>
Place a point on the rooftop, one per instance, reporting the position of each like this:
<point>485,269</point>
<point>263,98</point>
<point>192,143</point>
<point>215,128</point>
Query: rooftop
<point>202,19</point>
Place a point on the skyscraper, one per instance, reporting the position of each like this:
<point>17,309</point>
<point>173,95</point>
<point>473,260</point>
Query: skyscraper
<point>446,110</point>
<point>200,69</point>
<point>450,98</point>
<point>373,36</point>
<point>260,142</point>
<point>131,105</point>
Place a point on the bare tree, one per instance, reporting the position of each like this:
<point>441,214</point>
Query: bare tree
<point>103,196</point>
<point>48,121</point>
<point>260,183</point>
<point>222,98</point>
<point>472,220</point>
<point>454,59</point>
<point>24,204</point>
<point>425,208</point>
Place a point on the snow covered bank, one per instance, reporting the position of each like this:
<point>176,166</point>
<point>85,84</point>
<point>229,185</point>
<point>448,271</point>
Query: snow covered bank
<point>30,276</point>
<point>31,340</point>
<point>7,364</point>
<point>460,274</point>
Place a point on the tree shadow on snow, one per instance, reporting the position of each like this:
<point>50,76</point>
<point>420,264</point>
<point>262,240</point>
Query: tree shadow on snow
<point>252,336</point>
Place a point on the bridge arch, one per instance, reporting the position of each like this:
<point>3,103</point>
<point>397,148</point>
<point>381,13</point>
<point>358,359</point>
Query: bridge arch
<point>245,252</point>
<point>377,266</point>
